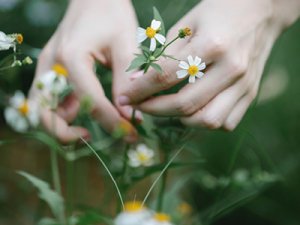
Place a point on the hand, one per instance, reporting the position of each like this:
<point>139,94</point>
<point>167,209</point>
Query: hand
<point>91,30</point>
<point>234,38</point>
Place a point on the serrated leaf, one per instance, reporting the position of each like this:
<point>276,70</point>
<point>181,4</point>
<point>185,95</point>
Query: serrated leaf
<point>158,17</point>
<point>157,67</point>
<point>52,198</point>
<point>136,63</point>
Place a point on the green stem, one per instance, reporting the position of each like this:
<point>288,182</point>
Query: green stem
<point>55,171</point>
<point>161,193</point>
<point>70,182</point>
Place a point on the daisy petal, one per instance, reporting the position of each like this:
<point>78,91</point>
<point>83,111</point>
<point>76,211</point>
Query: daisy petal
<point>160,38</point>
<point>191,61</point>
<point>181,74</point>
<point>152,44</point>
<point>141,35</point>
<point>183,65</point>
<point>192,79</point>
<point>199,74</point>
<point>202,66</point>
<point>155,24</point>
<point>197,60</point>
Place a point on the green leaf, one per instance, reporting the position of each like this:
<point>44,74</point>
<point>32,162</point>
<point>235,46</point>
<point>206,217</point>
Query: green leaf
<point>141,130</point>
<point>157,16</point>
<point>157,67</point>
<point>53,199</point>
<point>170,57</point>
<point>136,63</point>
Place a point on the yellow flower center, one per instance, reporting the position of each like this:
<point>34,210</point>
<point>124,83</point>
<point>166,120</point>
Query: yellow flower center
<point>60,70</point>
<point>19,38</point>
<point>142,157</point>
<point>187,31</point>
<point>150,32</point>
<point>133,206</point>
<point>184,208</point>
<point>162,217</point>
<point>24,108</point>
<point>193,70</point>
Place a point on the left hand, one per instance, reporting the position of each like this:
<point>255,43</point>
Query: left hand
<point>234,38</point>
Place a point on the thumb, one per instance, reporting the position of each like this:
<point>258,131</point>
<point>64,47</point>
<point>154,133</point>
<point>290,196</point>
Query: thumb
<point>122,54</point>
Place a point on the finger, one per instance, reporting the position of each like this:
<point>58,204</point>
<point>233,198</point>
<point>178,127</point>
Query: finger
<point>120,62</point>
<point>69,108</point>
<point>237,113</point>
<point>59,128</point>
<point>214,114</point>
<point>192,97</point>
<point>86,83</point>
<point>153,82</point>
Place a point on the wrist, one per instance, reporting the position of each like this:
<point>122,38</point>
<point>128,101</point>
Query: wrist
<point>286,13</point>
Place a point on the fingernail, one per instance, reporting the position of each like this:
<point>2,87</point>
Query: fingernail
<point>139,116</point>
<point>136,75</point>
<point>123,100</point>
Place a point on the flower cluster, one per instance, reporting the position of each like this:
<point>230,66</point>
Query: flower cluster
<point>137,214</point>
<point>150,55</point>
<point>22,113</point>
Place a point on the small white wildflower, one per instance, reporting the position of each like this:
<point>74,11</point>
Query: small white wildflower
<point>192,68</point>
<point>151,33</point>
<point>141,156</point>
<point>21,113</point>
<point>53,82</point>
<point>6,41</point>
<point>134,214</point>
<point>159,219</point>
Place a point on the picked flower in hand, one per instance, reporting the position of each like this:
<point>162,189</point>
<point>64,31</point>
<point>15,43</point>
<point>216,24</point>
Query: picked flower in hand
<point>151,33</point>
<point>54,81</point>
<point>192,68</point>
<point>21,113</point>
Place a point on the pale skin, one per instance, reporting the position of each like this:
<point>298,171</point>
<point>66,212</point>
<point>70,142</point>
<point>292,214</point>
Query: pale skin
<point>233,37</point>
<point>91,30</point>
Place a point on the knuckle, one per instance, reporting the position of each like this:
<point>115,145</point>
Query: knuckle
<point>230,126</point>
<point>217,45</point>
<point>185,107</point>
<point>211,122</point>
<point>236,68</point>
<point>64,54</point>
<point>252,94</point>
<point>164,80</point>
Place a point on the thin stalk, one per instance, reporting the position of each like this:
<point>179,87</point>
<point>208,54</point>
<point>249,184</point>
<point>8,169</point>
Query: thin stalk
<point>106,168</point>
<point>161,193</point>
<point>160,175</point>
<point>55,171</point>
<point>70,183</point>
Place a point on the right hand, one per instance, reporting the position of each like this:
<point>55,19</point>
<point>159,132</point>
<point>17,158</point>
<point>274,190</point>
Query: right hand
<point>91,30</point>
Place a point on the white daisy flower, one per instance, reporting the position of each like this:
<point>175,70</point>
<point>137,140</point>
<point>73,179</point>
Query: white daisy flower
<point>53,82</point>
<point>21,113</point>
<point>9,41</point>
<point>134,214</point>
<point>159,219</point>
<point>6,42</point>
<point>151,33</point>
<point>192,68</point>
<point>141,156</point>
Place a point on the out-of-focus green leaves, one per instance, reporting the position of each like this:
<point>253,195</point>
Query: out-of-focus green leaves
<point>52,198</point>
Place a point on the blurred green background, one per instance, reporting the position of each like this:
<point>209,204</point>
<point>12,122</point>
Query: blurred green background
<point>268,138</point>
